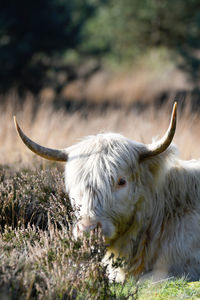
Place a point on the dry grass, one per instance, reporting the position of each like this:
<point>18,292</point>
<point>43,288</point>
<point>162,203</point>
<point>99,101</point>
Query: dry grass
<point>39,258</point>
<point>60,129</point>
<point>146,79</point>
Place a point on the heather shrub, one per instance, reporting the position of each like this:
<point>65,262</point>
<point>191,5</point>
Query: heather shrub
<point>39,257</point>
<point>28,197</point>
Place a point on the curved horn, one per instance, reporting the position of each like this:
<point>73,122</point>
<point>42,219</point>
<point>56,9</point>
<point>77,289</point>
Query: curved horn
<point>51,154</point>
<point>165,141</point>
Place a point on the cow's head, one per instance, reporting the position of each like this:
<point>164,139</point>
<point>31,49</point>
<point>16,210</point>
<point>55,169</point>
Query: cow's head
<point>102,176</point>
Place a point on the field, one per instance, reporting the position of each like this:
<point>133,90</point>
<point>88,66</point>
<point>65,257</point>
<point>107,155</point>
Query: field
<point>39,258</point>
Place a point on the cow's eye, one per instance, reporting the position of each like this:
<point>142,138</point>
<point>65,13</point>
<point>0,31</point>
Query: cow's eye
<point>121,182</point>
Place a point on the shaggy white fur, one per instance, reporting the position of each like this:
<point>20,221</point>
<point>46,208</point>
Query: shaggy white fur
<point>145,199</point>
<point>149,210</point>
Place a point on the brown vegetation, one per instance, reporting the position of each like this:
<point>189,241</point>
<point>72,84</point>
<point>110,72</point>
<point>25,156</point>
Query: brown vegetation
<point>60,128</point>
<point>39,258</point>
<point>126,87</point>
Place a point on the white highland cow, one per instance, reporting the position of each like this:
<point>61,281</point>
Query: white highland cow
<point>145,199</point>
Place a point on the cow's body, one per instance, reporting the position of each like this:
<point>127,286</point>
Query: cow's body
<point>146,200</point>
<point>154,221</point>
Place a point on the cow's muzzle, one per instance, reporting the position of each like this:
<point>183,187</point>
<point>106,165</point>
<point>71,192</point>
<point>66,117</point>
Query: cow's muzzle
<point>87,224</point>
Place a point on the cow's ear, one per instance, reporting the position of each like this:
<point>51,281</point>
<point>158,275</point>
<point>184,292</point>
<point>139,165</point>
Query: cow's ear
<point>162,144</point>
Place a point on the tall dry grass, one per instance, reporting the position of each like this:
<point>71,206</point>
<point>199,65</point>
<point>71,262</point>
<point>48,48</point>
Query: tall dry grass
<point>60,129</point>
<point>147,78</point>
<point>39,258</point>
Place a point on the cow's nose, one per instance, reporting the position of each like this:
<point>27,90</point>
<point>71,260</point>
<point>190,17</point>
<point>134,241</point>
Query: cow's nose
<point>85,227</point>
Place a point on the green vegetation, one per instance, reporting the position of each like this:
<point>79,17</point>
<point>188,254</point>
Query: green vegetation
<point>172,289</point>
<point>34,38</point>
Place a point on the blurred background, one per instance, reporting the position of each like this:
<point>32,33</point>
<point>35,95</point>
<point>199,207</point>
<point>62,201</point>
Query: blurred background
<point>70,68</point>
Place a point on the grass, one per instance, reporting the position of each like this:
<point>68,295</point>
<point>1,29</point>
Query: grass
<point>39,259</point>
<point>147,78</point>
<point>172,289</point>
<point>60,128</point>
